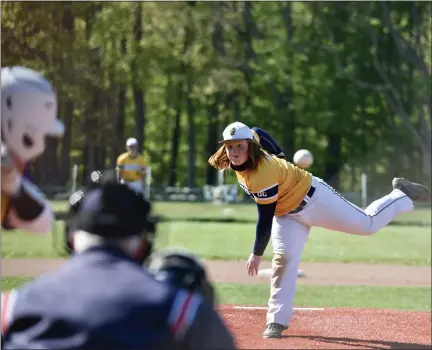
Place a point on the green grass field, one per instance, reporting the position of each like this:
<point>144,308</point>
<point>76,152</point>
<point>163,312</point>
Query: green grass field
<point>242,212</point>
<point>407,245</point>
<point>403,298</point>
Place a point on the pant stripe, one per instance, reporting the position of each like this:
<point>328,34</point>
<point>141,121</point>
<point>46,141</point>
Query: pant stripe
<point>361,211</point>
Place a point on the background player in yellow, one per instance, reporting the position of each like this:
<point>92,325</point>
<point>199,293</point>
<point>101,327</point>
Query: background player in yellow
<point>28,115</point>
<point>131,167</point>
<point>290,201</point>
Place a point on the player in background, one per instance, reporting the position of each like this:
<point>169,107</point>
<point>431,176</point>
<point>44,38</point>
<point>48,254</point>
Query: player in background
<point>28,115</point>
<point>290,201</point>
<point>131,168</point>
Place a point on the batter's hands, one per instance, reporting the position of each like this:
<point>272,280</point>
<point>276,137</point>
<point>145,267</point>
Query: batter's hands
<point>10,175</point>
<point>253,263</point>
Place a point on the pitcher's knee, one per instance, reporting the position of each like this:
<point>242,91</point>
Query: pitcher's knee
<point>364,227</point>
<point>279,265</point>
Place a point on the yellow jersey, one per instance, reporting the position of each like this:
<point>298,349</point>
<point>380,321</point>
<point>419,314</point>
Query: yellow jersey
<point>132,168</point>
<point>276,180</point>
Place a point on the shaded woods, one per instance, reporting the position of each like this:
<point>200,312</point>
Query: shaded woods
<point>348,81</point>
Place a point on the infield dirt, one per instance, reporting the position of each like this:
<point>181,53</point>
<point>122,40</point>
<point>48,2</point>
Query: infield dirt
<point>235,272</point>
<point>332,328</point>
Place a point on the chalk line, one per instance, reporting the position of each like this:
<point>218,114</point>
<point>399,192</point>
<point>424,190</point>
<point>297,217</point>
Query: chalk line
<point>265,308</point>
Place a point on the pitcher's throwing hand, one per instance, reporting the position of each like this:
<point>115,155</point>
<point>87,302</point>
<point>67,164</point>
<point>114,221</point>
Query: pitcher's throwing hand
<point>253,264</point>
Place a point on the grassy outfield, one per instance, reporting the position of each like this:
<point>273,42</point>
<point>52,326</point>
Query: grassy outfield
<point>241,212</point>
<point>403,298</point>
<point>406,245</point>
<point>19,244</point>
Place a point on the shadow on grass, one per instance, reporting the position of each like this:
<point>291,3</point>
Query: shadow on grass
<point>362,343</point>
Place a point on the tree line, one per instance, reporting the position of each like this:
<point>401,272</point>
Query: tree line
<point>350,81</point>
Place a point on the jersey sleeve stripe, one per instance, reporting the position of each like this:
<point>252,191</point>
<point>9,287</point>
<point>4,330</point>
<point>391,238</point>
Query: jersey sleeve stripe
<point>7,302</point>
<point>176,308</point>
<point>270,187</point>
<point>270,143</point>
<point>183,312</point>
<point>4,307</point>
<point>179,321</point>
<point>189,316</point>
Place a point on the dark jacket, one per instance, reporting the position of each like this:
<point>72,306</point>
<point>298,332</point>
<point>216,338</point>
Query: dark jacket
<point>101,299</point>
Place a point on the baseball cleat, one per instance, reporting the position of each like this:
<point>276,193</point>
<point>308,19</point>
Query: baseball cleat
<point>274,330</point>
<point>414,191</point>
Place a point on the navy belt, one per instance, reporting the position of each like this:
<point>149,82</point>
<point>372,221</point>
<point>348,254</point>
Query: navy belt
<point>303,203</point>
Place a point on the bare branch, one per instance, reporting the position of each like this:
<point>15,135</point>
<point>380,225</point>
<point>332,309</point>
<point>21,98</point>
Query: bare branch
<point>390,92</point>
<point>404,48</point>
<point>381,71</point>
<point>416,20</point>
<point>393,97</point>
<point>341,68</point>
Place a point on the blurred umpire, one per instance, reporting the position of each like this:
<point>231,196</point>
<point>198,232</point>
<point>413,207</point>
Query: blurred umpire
<point>102,297</point>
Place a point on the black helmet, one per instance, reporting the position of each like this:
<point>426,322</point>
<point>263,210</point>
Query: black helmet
<point>111,210</point>
<point>183,270</point>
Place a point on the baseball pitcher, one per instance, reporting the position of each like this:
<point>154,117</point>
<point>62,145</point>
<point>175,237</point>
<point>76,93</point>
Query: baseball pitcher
<point>290,201</point>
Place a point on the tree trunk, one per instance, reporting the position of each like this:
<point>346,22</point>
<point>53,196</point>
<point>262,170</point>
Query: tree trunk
<point>332,166</point>
<point>235,105</point>
<point>119,132</point>
<point>65,166</point>
<point>212,139</point>
<point>176,139</point>
<point>246,37</point>
<point>68,110</point>
<point>165,165</point>
<point>285,97</point>
<point>213,107</point>
<point>90,124</point>
<point>191,135</point>
<point>139,116</point>
<point>138,92</point>
<point>250,30</point>
<point>190,107</point>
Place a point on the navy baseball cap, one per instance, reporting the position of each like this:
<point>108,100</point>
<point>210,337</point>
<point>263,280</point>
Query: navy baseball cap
<point>113,210</point>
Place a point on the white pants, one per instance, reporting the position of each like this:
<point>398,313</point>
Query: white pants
<point>137,186</point>
<point>325,209</point>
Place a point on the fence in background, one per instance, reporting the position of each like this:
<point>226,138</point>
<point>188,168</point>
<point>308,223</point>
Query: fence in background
<point>219,194</point>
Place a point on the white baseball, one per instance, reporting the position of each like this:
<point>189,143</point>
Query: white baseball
<point>303,158</point>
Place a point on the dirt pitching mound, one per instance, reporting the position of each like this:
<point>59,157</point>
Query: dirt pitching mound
<point>333,328</point>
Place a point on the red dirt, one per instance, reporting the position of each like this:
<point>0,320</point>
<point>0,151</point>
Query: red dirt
<point>331,328</point>
<point>334,329</point>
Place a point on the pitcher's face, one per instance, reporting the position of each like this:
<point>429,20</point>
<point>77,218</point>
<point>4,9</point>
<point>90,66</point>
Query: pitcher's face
<point>237,151</point>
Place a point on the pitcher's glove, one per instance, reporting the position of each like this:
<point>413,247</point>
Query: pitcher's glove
<point>183,270</point>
